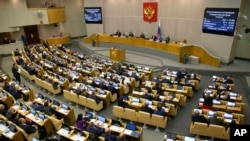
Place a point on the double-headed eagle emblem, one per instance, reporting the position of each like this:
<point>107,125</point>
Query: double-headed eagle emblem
<point>149,11</point>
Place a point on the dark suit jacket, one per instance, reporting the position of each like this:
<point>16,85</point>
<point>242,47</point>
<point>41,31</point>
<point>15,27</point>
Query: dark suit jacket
<point>95,130</point>
<point>160,112</point>
<point>147,96</point>
<point>28,128</point>
<point>199,118</point>
<point>109,137</point>
<point>48,111</point>
<point>147,109</point>
<point>216,121</point>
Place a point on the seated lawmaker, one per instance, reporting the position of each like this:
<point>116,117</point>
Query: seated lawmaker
<point>108,136</point>
<point>167,39</point>
<point>93,129</point>
<point>28,128</point>
<point>131,34</point>
<point>142,35</point>
<point>118,33</point>
<point>6,40</point>
<point>145,108</point>
<point>154,37</point>
<point>160,111</point>
<point>147,95</point>
<point>197,117</point>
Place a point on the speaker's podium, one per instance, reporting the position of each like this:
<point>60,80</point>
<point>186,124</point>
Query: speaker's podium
<point>117,54</point>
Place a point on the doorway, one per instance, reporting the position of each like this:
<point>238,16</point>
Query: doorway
<point>31,34</point>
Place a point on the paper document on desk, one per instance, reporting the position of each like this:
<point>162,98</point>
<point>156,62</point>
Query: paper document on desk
<point>77,138</point>
<point>3,127</point>
<point>8,134</point>
<point>127,132</point>
<point>62,132</point>
<point>63,111</point>
<point>135,103</point>
<point>30,116</point>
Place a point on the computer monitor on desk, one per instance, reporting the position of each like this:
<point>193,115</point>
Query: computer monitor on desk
<point>41,116</point>
<point>170,136</point>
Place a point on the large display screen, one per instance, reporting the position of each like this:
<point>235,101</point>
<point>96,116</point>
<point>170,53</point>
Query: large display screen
<point>220,21</point>
<point>93,15</point>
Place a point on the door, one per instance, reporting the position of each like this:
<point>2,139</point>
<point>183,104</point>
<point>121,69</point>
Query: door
<point>31,34</point>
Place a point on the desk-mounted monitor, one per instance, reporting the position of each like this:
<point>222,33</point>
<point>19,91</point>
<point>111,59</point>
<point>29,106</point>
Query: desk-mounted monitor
<point>131,126</point>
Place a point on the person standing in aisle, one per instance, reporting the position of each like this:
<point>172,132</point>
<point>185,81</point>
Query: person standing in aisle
<point>16,73</point>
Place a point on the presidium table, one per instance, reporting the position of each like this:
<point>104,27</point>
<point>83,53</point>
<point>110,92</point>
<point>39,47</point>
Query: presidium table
<point>117,54</point>
<point>174,48</point>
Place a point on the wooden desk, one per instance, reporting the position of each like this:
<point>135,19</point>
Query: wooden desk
<point>34,118</point>
<point>71,135</point>
<point>117,54</point>
<point>17,136</point>
<point>136,135</point>
<point>68,115</point>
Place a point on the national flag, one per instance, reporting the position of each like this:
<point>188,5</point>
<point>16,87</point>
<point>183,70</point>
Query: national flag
<point>159,31</point>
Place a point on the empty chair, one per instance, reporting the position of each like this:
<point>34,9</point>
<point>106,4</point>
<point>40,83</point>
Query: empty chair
<point>145,118</point>
<point>74,98</point>
<point>93,105</point>
<point>57,123</point>
<point>66,95</point>
<point>226,134</point>
<point>198,128</point>
<point>158,121</point>
<point>118,112</point>
<point>215,131</point>
<point>83,101</point>
<point>130,114</point>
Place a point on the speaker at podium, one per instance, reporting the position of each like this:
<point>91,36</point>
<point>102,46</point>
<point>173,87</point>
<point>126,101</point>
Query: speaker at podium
<point>117,54</point>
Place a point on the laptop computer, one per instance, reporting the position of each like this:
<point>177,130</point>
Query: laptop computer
<point>101,118</point>
<point>12,128</point>
<point>171,136</point>
<point>55,102</point>
<point>89,115</point>
<point>65,107</point>
<point>131,126</point>
<point>186,138</point>
<point>35,139</point>
<point>33,111</point>
<point>41,116</point>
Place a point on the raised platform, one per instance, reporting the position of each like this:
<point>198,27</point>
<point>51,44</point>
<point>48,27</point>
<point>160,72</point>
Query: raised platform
<point>156,59</point>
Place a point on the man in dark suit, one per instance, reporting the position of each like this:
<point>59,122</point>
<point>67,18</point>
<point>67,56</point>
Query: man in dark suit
<point>197,117</point>
<point>16,72</point>
<point>45,43</point>
<point>28,128</point>
<point>122,101</point>
<point>215,120</point>
<point>147,95</point>
<point>6,40</point>
<point>160,111</point>
<point>167,39</point>
<point>158,88</point>
<point>48,110</point>
<point>145,108</point>
<point>118,33</point>
<point>93,129</point>
<point>108,136</point>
